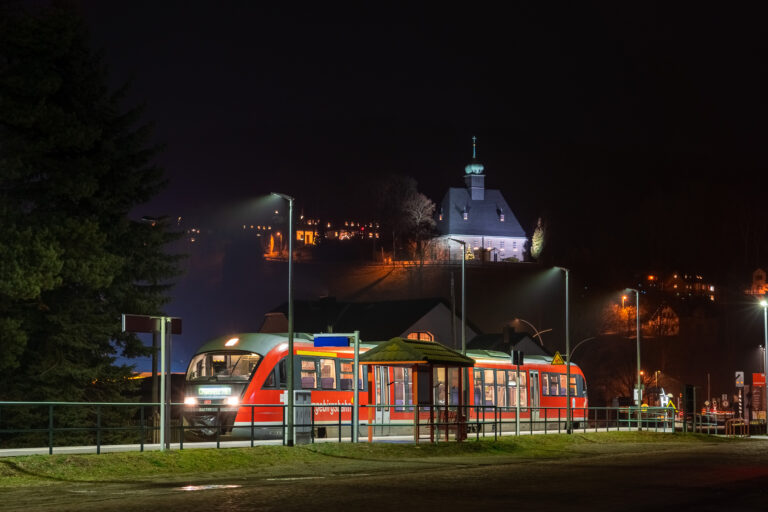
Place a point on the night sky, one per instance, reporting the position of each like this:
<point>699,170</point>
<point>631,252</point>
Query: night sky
<point>636,130</point>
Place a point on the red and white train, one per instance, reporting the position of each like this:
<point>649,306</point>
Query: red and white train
<point>236,385</point>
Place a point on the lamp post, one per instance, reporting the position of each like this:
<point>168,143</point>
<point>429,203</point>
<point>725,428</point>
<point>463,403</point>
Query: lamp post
<point>289,363</point>
<point>639,390</point>
<point>764,303</point>
<point>463,295</point>
<point>567,354</point>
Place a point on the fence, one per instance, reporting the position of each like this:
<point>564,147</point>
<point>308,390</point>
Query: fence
<point>53,424</point>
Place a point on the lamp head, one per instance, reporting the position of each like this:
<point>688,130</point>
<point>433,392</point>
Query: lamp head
<point>284,196</point>
<point>764,303</point>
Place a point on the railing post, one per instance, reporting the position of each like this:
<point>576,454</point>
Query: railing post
<point>312,423</point>
<point>218,426</point>
<point>141,416</point>
<point>181,429</point>
<point>98,429</point>
<point>252,426</point>
<point>50,429</point>
<point>339,423</point>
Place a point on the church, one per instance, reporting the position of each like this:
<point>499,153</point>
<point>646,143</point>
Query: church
<point>479,217</point>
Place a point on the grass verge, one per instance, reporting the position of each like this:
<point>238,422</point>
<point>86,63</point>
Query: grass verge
<point>276,461</point>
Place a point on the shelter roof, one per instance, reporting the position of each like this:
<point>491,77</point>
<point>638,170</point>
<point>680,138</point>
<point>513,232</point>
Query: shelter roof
<point>405,351</point>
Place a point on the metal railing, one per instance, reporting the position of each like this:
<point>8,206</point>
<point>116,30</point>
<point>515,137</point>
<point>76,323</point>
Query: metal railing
<point>57,424</point>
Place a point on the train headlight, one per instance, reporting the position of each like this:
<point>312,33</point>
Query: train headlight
<point>233,400</point>
<point>190,400</point>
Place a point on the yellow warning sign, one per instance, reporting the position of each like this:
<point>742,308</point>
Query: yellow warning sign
<point>558,359</point>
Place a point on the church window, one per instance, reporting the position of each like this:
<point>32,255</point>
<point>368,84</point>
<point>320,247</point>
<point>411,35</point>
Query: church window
<point>501,244</point>
<point>514,246</point>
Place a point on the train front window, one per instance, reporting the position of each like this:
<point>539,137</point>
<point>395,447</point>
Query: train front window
<point>228,365</point>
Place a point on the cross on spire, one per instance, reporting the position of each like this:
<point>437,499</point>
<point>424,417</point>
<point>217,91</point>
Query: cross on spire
<point>474,148</point>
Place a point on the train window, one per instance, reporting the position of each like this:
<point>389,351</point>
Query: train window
<point>501,384</point>
<point>233,365</point>
<point>573,386</point>
<point>403,390</point>
<point>270,381</point>
<point>488,379</point>
<point>562,379</point>
<point>347,375</point>
<point>308,374</point>
<point>328,373</point>
<point>277,375</point>
<point>512,388</point>
<point>282,374</point>
<point>478,378</point>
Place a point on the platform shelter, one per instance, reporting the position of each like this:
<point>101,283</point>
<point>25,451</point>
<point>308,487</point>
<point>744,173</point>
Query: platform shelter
<point>437,382</point>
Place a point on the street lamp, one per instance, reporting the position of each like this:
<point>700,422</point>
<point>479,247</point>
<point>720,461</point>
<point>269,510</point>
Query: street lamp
<point>463,295</point>
<point>637,316</point>
<point>764,303</point>
<point>289,363</point>
<point>537,332</point>
<point>567,354</point>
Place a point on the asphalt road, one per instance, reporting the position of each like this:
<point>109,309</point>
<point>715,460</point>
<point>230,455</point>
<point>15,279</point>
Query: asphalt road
<point>680,477</point>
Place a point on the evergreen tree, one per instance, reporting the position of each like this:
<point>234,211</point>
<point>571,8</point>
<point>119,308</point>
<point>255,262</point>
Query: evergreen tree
<point>537,241</point>
<point>73,163</point>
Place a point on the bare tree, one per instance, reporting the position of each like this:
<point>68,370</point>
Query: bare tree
<point>419,212</point>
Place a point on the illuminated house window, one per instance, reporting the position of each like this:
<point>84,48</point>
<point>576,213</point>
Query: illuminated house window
<point>465,215</point>
<point>421,336</point>
<point>501,217</point>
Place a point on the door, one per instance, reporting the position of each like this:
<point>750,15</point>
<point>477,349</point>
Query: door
<point>534,394</point>
<point>382,400</point>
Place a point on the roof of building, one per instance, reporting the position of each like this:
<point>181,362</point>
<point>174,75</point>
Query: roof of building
<point>483,216</point>
<point>404,351</point>
<point>381,320</point>
<point>505,344</point>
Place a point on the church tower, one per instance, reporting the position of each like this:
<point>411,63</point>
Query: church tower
<point>473,175</point>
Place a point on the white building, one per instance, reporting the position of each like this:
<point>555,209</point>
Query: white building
<point>480,217</point>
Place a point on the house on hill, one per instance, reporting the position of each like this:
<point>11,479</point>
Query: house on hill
<point>481,218</point>
<point>423,319</point>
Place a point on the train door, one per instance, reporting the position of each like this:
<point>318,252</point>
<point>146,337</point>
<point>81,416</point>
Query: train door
<point>382,400</point>
<point>534,394</point>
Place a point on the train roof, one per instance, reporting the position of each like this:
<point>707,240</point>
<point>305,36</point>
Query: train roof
<point>503,357</point>
<point>259,342</point>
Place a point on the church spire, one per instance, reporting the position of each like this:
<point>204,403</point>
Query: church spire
<point>474,167</point>
<point>473,175</point>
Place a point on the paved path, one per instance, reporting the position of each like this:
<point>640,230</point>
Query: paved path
<point>667,476</point>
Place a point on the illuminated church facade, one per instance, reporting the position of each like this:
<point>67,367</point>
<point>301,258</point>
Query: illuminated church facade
<point>481,218</point>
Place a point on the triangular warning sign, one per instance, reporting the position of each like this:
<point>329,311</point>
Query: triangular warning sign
<point>558,359</point>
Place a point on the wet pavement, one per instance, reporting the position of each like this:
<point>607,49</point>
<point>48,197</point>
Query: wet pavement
<point>679,476</point>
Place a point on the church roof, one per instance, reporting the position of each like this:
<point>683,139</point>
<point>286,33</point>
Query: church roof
<point>483,216</point>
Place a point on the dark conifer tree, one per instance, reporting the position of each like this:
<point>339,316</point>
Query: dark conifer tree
<point>73,163</point>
